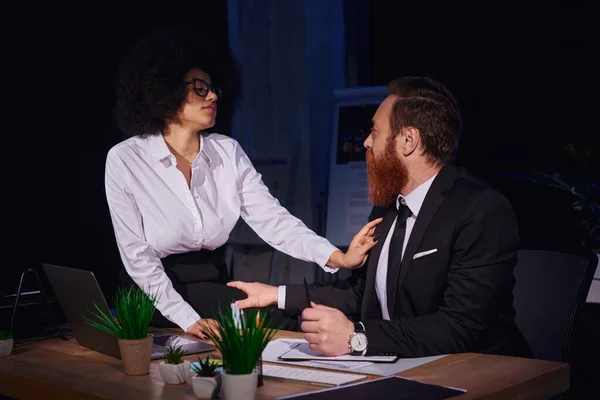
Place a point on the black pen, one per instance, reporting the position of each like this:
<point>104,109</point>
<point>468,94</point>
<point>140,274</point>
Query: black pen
<point>307,294</point>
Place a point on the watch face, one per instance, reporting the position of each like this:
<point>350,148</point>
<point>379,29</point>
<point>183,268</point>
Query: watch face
<point>358,342</point>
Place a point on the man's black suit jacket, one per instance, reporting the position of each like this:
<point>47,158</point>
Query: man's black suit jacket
<point>457,299</point>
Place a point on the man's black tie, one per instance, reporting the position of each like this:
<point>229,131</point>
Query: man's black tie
<point>397,241</point>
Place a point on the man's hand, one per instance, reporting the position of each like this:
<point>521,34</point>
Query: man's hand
<point>359,248</point>
<point>202,327</point>
<point>327,330</point>
<point>259,294</point>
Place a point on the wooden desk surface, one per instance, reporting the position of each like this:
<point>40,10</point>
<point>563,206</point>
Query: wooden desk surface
<point>57,369</point>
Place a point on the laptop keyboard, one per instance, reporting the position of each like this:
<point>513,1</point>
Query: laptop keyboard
<point>161,341</point>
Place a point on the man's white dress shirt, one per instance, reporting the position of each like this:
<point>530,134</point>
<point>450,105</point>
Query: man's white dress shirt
<point>155,214</point>
<point>414,201</point>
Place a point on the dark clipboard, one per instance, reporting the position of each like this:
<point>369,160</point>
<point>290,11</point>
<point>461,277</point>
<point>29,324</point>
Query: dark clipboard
<point>401,388</point>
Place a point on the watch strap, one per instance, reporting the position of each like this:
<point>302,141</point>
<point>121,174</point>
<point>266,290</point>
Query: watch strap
<point>359,327</point>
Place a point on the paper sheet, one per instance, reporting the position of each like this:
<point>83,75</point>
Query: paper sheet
<point>302,351</point>
<point>277,347</point>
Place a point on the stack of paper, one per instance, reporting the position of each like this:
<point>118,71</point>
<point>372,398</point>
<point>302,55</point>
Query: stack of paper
<point>278,347</point>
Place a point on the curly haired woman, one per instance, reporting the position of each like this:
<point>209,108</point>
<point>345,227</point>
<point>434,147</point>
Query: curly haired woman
<point>175,190</point>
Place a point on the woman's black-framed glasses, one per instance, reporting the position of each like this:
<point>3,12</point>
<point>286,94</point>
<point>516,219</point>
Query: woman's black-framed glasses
<point>201,87</point>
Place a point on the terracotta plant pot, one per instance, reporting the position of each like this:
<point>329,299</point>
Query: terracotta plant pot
<point>136,355</point>
<point>239,387</point>
<point>204,386</point>
<point>6,347</point>
<point>174,374</point>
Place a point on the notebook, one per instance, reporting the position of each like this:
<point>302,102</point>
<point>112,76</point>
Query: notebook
<point>402,389</point>
<point>303,352</point>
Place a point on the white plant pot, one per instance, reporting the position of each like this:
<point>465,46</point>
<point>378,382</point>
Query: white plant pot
<point>6,347</point>
<point>204,386</point>
<point>174,374</point>
<point>239,387</point>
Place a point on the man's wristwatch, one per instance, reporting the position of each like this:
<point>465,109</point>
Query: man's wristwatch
<point>358,340</point>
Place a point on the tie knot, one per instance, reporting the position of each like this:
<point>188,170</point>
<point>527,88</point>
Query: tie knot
<point>403,212</point>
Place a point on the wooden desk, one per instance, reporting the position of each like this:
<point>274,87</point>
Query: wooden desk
<point>57,369</point>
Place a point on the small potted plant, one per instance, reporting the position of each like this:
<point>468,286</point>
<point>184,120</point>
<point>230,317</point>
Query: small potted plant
<point>207,382</point>
<point>241,340</point>
<point>174,369</point>
<point>6,343</point>
<point>135,309</point>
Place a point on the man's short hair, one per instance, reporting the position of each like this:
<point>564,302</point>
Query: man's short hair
<point>430,107</point>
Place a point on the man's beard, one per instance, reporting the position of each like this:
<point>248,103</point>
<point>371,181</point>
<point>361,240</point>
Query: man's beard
<point>387,176</point>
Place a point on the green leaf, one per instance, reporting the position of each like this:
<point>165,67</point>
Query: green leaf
<point>206,367</point>
<point>134,308</point>
<point>5,334</point>
<point>174,354</point>
<point>241,348</point>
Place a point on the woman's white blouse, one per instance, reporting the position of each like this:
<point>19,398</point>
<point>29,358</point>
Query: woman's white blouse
<point>155,214</point>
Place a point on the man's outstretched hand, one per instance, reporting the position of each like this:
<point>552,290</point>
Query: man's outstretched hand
<point>259,294</point>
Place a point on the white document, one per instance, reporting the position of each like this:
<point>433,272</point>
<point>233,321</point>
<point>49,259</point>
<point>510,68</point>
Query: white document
<point>302,351</point>
<point>277,347</point>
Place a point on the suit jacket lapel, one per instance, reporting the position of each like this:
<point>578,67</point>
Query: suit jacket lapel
<point>382,230</point>
<point>434,198</point>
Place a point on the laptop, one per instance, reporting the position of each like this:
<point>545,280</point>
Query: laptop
<point>77,290</point>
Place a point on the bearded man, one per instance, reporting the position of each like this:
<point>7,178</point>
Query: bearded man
<point>440,279</point>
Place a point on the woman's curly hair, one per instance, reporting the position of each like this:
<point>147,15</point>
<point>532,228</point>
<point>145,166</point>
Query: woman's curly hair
<point>149,84</point>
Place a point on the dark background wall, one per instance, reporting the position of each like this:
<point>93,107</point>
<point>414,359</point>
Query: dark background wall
<point>522,72</point>
<point>86,48</point>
